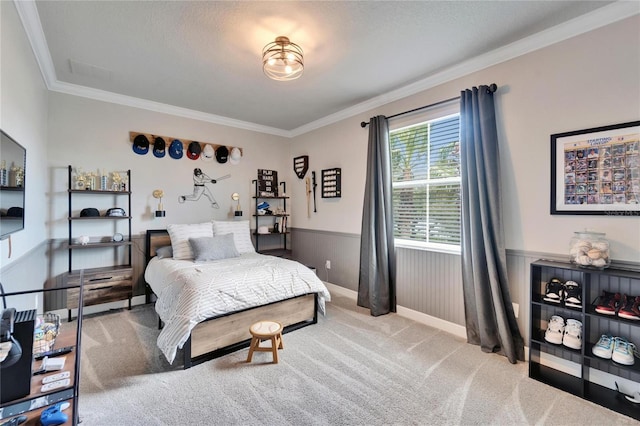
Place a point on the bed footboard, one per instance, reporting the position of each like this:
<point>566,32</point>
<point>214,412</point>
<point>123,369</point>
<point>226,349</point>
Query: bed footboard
<point>225,334</point>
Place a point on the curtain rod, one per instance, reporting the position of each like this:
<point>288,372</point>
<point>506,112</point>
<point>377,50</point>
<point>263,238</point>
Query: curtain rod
<point>492,88</point>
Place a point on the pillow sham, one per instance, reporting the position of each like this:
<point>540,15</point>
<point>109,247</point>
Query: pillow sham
<point>180,234</point>
<point>241,233</point>
<point>164,252</point>
<point>213,248</point>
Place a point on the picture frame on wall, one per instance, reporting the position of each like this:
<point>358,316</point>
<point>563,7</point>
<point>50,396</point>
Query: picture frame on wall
<point>596,171</point>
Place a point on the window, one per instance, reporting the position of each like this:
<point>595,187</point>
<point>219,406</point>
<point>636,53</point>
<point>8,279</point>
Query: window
<point>425,161</point>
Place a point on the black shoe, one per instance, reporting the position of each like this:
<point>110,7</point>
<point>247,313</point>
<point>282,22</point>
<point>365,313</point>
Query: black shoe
<point>554,291</point>
<point>572,294</point>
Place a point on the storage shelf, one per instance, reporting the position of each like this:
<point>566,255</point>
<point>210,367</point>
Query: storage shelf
<point>116,278</point>
<point>277,252</point>
<point>286,197</point>
<point>271,219</point>
<point>98,217</point>
<point>101,244</point>
<point>592,282</point>
<point>97,191</point>
<point>556,378</point>
<point>12,188</point>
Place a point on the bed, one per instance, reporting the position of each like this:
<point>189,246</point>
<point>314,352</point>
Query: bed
<point>206,304</point>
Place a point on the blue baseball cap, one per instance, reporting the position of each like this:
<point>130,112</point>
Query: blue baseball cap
<point>175,149</point>
<point>141,145</point>
<point>159,147</point>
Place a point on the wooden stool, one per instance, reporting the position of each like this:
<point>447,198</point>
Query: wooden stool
<point>266,330</point>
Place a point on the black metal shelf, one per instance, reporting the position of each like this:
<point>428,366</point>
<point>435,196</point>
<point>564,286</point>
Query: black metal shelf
<point>71,244</point>
<point>283,250</point>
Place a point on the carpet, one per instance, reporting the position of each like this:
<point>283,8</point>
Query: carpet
<point>349,369</point>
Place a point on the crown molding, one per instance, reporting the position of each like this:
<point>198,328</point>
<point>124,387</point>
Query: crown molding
<point>28,13</point>
<point>606,15</point>
<point>116,98</point>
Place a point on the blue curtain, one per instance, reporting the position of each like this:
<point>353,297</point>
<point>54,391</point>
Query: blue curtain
<point>489,316</point>
<point>376,284</point>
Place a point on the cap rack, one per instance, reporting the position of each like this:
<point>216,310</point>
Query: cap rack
<point>185,142</point>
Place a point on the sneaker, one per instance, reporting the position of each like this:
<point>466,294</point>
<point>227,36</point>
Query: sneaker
<point>573,295</point>
<point>608,303</point>
<point>623,351</point>
<point>630,307</point>
<point>604,347</point>
<point>555,330</point>
<point>572,337</point>
<point>554,291</point>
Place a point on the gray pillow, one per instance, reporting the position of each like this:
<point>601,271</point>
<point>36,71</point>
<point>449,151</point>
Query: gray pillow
<point>213,248</point>
<point>164,252</point>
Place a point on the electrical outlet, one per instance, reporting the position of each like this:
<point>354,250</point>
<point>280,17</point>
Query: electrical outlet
<point>327,264</point>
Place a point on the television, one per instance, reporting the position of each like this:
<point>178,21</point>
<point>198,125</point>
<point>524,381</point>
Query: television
<point>13,160</point>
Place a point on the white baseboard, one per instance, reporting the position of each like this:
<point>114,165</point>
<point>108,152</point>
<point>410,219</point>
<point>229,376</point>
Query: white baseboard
<point>431,321</point>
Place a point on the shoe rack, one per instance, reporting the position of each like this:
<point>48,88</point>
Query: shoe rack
<point>578,371</point>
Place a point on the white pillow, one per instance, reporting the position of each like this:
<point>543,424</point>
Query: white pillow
<point>241,233</point>
<point>180,234</point>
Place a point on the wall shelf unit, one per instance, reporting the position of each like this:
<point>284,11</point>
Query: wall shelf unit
<point>274,242</point>
<point>107,283</point>
<point>578,371</point>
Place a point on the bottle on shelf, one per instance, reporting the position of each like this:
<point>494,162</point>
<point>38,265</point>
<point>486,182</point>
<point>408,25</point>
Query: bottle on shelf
<point>4,177</point>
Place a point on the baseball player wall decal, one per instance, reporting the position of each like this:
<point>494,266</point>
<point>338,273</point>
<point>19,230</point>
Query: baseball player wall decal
<point>200,188</point>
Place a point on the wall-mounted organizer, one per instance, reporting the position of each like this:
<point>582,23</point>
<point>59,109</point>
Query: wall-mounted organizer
<point>185,143</point>
<point>332,183</point>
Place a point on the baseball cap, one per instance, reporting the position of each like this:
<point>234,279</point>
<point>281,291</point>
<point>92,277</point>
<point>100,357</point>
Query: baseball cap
<point>140,144</point>
<point>115,211</point>
<point>235,156</point>
<point>159,147</point>
<point>222,153</point>
<point>207,153</point>
<point>15,212</point>
<point>175,149</point>
<point>193,151</point>
<point>89,212</point>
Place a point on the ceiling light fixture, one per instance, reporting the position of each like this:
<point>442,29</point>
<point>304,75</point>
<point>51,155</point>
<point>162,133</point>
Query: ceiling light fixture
<point>282,60</point>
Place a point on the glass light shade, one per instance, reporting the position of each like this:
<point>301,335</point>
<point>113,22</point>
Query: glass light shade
<point>282,60</point>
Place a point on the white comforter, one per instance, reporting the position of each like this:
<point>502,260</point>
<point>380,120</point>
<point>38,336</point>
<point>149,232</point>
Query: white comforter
<point>189,292</point>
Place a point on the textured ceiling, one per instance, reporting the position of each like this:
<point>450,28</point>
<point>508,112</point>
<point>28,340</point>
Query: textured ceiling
<point>205,56</point>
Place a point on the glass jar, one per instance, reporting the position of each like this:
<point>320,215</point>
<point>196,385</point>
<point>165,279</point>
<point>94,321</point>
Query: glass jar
<point>590,250</point>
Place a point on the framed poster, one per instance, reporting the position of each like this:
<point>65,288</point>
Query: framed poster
<point>596,171</point>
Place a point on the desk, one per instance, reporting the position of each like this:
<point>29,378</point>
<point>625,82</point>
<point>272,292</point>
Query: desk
<point>33,404</point>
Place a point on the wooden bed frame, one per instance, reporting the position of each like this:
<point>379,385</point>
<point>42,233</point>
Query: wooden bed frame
<point>228,333</point>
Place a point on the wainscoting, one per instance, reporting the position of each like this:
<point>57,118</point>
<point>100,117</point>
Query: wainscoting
<point>428,283</point>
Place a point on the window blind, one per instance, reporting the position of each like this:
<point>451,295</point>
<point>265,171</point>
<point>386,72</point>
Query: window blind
<point>426,181</point>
